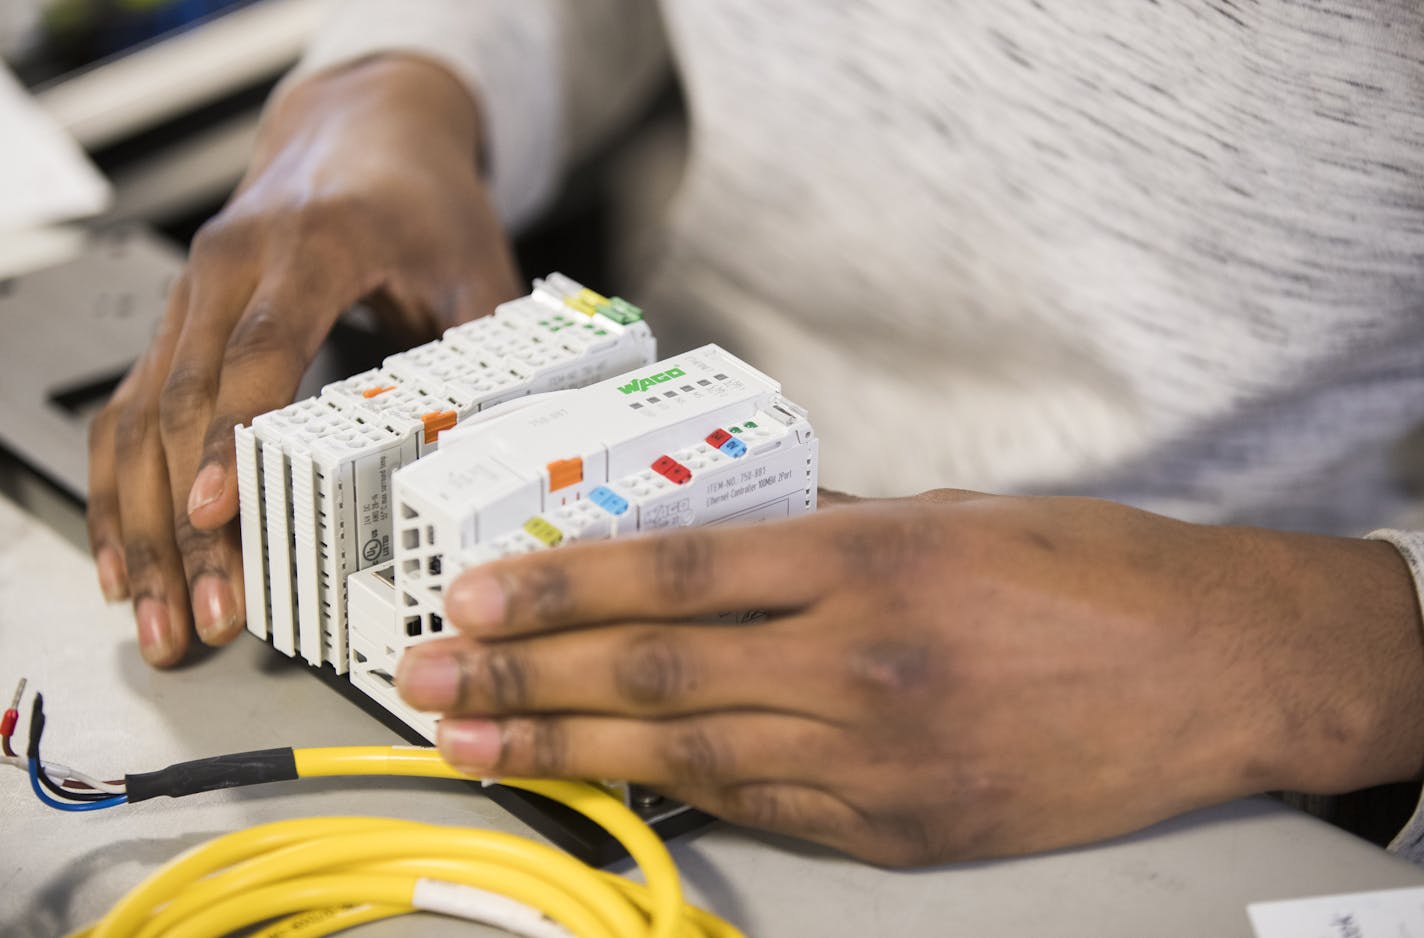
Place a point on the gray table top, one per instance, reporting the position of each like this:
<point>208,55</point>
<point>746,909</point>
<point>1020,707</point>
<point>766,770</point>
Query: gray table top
<point>108,712</point>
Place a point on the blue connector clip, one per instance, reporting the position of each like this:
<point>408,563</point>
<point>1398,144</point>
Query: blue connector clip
<point>734,448</point>
<point>609,500</point>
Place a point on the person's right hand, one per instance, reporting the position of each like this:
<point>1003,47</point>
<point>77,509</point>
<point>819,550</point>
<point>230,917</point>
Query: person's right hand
<point>365,185</point>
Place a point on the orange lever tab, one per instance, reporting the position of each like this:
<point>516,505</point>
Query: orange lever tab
<point>565,472</point>
<point>377,389</point>
<point>437,420</point>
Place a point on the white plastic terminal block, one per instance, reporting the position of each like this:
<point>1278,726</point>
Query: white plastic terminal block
<point>314,478</point>
<point>417,410</point>
<point>346,477</point>
<point>698,439</point>
<point>358,507</point>
<point>372,603</point>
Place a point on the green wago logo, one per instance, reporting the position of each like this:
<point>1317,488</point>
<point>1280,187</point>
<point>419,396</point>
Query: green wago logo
<point>642,384</point>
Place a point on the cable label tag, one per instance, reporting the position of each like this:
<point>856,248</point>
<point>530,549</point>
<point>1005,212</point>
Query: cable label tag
<point>480,905</point>
<point>1388,913</point>
<point>372,483</point>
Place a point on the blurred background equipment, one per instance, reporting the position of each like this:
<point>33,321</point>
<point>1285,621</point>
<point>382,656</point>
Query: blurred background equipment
<point>164,94</point>
<point>45,181</point>
<point>163,97</point>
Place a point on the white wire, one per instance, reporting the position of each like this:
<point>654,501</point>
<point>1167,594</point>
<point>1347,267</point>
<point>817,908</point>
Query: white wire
<point>62,773</point>
<point>77,776</point>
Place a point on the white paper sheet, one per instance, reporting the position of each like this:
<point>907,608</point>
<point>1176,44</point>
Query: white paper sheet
<point>1388,913</point>
<point>44,176</point>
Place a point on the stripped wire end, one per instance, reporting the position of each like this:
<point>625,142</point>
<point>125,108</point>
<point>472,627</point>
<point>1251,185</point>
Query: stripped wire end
<point>11,717</point>
<point>40,781</point>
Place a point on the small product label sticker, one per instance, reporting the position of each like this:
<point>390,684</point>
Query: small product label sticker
<point>1388,913</point>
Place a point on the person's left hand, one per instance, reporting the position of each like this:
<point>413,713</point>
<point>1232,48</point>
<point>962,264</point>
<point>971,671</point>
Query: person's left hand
<point>949,676</point>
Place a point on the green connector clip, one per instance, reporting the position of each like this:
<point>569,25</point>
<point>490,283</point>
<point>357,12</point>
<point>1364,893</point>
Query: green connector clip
<point>621,311</point>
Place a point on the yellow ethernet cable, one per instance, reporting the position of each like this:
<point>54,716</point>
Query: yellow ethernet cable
<point>316,876</point>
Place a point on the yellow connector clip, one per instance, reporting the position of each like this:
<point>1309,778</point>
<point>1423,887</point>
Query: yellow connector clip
<point>544,532</point>
<point>585,301</point>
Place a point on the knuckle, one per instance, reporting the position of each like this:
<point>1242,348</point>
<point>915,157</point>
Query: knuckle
<point>762,805</point>
<point>535,747</point>
<point>134,428</point>
<point>694,756</point>
<point>100,518</point>
<point>682,566</point>
<point>101,510</point>
<point>887,551</point>
<point>544,593</point>
<point>141,557</point>
<point>506,676</point>
<point>263,333</point>
<point>323,217</point>
<point>219,238</point>
<point>891,667</point>
<point>201,550</point>
<point>184,397</point>
<point>652,671</point>
<point>218,441</point>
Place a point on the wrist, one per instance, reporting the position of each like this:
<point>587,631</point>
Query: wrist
<point>396,102</point>
<point>1342,688</point>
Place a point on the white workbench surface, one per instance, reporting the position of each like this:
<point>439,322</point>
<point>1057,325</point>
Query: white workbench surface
<point>108,712</point>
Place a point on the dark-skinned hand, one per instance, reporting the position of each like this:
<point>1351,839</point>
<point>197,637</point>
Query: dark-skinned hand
<point>365,185</point>
<point>944,677</point>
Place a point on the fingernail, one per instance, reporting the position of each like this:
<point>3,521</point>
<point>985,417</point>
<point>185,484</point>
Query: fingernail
<point>475,601</point>
<point>470,745</point>
<point>428,681</point>
<point>111,575</point>
<point>207,487</point>
<point>153,636</point>
<point>214,611</point>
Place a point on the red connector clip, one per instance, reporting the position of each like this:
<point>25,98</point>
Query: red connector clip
<point>671,469</point>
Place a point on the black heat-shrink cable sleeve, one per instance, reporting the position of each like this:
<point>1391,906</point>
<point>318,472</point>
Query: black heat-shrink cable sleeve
<point>230,771</point>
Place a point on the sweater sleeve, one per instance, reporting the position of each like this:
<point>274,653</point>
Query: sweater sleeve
<point>1409,842</point>
<point>553,78</point>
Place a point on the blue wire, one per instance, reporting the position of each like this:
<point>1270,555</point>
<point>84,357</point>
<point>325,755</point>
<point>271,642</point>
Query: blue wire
<point>69,806</point>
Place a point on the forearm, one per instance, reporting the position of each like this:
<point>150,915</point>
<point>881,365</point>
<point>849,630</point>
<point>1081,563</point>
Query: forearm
<point>507,55</point>
<point>392,103</point>
<point>555,77</point>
